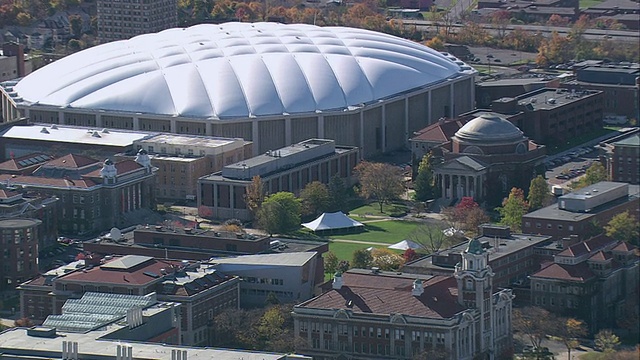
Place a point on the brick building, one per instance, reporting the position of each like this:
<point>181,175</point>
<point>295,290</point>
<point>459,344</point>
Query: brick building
<point>201,291</point>
<point>286,169</point>
<point>576,212</point>
<point>624,163</point>
<point>32,205</point>
<point>19,245</point>
<point>94,196</point>
<point>376,315</point>
<point>593,280</point>
<point>121,20</point>
<point>511,256</point>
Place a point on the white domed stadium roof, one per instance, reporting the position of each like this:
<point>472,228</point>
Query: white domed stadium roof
<point>238,70</point>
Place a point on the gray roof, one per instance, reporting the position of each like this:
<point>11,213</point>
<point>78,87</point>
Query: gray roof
<point>126,262</point>
<point>630,141</point>
<point>283,259</point>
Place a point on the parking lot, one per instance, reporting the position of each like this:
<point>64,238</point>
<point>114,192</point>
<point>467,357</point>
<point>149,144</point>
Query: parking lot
<point>568,167</point>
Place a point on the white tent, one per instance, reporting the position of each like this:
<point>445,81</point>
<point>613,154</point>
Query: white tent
<point>333,221</point>
<point>405,244</point>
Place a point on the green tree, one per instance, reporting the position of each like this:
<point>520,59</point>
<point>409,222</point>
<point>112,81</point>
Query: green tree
<point>337,193</point>
<point>279,213</point>
<point>513,208</point>
<point>423,183</point>
<point>361,259</point>
<point>606,341</point>
<point>330,262</point>
<point>623,227</point>
<point>254,194</point>
<point>379,181</point>
<point>594,174</point>
<point>539,194</point>
<point>315,198</point>
<point>74,45</point>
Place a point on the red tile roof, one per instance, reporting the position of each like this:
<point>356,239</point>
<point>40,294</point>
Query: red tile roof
<point>5,194</point>
<point>43,181</point>
<point>600,256</point>
<point>579,272</point>
<point>624,246</point>
<point>132,276</point>
<point>14,163</point>
<point>440,132</point>
<point>587,247</point>
<point>377,294</point>
<point>71,161</point>
<point>122,167</point>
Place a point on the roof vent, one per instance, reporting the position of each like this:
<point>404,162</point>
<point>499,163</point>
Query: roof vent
<point>96,134</point>
<point>54,127</point>
<point>105,131</point>
<point>418,289</point>
<point>44,131</point>
<point>337,281</point>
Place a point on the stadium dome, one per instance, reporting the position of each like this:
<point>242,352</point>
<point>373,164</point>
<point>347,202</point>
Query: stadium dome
<point>489,129</point>
<point>239,70</point>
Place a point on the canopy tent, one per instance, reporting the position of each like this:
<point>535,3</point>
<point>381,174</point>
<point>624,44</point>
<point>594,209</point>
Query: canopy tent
<point>404,245</point>
<point>333,222</point>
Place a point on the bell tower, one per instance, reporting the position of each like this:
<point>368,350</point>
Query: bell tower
<point>475,281</point>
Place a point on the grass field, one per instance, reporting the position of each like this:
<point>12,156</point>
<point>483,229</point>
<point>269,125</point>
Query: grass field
<point>589,3</point>
<point>386,232</point>
<point>374,209</point>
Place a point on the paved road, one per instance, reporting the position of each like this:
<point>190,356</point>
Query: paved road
<point>590,34</point>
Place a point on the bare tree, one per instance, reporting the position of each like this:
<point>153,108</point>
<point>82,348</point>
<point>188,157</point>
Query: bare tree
<point>534,323</point>
<point>430,237</point>
<point>379,181</point>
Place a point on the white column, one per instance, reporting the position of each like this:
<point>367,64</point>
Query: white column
<point>361,133</point>
<point>136,123</point>
<point>208,128</point>
<point>473,94</point>
<point>173,126</point>
<point>99,120</point>
<point>61,117</point>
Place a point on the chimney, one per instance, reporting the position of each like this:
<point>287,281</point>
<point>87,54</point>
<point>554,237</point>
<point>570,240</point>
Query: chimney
<point>337,281</point>
<point>178,354</point>
<point>17,50</point>
<point>69,350</point>
<point>418,289</point>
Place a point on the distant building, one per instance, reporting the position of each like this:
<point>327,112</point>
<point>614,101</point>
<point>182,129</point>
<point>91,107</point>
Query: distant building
<point>19,245</point>
<point>202,291</point>
<point>489,91</point>
<point>290,277</point>
<point>12,62</point>
<point>625,160</point>
<point>593,280</point>
<point>177,242</point>
<point>18,204</point>
<point>484,159</point>
<point>377,315</point>
<point>511,256</point>
<point>120,338</point>
<point>617,82</point>
<point>182,159</point>
<point>94,196</point>
<point>576,212</point>
<point>286,169</point>
<point>123,20</point>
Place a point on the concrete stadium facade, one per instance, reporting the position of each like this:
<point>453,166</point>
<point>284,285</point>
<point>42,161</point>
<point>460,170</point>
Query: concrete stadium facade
<point>376,125</point>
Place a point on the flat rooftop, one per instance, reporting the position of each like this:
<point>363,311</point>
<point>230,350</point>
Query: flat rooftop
<point>514,82</point>
<point>496,247</point>
<point>193,140</point>
<point>282,259</point>
<point>595,190</point>
<point>15,341</point>
<point>552,212</point>
<point>545,99</point>
<point>73,134</point>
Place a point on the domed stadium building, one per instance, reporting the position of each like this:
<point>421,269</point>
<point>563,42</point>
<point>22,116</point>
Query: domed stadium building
<point>269,83</point>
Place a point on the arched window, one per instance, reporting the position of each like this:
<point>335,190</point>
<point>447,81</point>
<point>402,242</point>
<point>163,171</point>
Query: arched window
<point>473,150</point>
<point>521,148</point>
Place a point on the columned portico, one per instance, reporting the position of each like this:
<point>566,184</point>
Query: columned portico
<point>461,177</point>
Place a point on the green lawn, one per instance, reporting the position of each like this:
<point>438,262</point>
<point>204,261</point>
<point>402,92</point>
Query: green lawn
<point>344,251</point>
<point>589,3</point>
<point>388,232</point>
<point>374,209</point>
